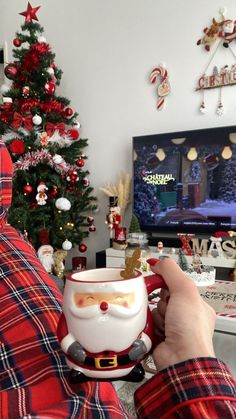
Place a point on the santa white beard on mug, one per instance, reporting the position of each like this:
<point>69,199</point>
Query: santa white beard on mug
<point>113,330</point>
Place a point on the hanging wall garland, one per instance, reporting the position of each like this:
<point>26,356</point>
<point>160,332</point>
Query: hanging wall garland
<point>223,31</point>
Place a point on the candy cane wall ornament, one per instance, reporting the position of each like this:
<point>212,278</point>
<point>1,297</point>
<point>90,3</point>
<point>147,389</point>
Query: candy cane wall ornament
<point>164,86</point>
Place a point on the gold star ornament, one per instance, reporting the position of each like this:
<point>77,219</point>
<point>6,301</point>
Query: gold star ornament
<point>30,13</point>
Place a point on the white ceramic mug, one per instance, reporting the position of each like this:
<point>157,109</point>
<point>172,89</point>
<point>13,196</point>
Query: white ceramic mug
<point>106,327</point>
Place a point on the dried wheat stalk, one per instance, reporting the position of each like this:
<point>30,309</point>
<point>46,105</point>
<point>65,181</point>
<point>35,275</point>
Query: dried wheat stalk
<point>121,189</point>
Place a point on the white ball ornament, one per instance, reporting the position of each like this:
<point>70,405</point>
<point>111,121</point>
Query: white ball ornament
<point>42,39</point>
<point>50,71</point>
<point>63,204</point>
<point>37,120</point>
<point>57,159</point>
<point>66,245</point>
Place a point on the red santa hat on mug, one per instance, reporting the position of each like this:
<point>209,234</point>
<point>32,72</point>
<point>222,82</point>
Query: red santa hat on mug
<point>41,187</point>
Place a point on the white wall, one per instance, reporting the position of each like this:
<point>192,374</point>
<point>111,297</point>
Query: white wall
<point>107,49</point>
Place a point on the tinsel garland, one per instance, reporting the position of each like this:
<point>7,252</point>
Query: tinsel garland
<point>32,159</point>
<point>33,57</point>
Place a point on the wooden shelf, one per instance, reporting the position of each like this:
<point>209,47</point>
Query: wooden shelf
<point>116,258</point>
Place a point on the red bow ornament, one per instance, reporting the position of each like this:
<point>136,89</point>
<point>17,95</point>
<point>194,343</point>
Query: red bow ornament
<point>51,128</point>
<point>19,120</point>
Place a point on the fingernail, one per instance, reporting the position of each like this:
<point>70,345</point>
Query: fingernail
<point>152,261</point>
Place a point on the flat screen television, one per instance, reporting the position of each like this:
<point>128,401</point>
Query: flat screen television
<point>185,181</point>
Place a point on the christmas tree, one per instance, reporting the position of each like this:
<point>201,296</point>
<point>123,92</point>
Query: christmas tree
<point>134,225</point>
<point>52,198</point>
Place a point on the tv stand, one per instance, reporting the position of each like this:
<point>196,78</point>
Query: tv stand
<point>170,239</point>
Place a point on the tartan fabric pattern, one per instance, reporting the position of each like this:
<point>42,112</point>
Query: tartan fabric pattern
<point>199,388</point>
<point>33,372</point>
<point>6,170</point>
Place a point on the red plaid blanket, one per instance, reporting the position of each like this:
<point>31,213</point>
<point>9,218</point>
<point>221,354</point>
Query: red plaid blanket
<point>33,371</point>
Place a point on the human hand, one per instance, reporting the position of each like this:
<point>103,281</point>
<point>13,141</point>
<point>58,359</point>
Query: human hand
<point>186,321</point>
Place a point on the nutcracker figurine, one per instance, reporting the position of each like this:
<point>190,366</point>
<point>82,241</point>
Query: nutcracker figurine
<point>113,218</point>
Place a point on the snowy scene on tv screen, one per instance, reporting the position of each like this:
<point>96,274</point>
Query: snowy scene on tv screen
<point>185,186</point>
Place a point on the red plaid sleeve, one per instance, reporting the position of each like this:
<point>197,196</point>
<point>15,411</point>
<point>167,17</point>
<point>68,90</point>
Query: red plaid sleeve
<point>199,388</point>
<point>33,371</point>
<point>6,170</point>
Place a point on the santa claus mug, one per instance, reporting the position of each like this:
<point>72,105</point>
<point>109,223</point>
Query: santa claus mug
<point>106,328</point>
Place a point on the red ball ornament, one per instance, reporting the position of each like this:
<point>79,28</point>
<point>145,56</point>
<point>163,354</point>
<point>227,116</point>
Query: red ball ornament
<point>17,146</point>
<point>73,133</point>
<point>90,219</point>
<point>80,162</point>
<point>11,71</point>
<point>17,42</point>
<point>70,188</point>
<point>50,87</point>
<point>68,112</point>
<point>53,192</point>
<point>86,182</point>
<point>27,189</point>
<point>92,228</point>
<point>82,248</point>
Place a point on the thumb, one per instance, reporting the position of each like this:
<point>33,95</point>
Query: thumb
<point>173,275</point>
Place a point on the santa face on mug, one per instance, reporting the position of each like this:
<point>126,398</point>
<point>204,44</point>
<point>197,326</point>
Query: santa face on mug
<point>106,316</point>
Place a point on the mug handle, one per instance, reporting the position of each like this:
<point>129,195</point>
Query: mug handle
<point>153,282</point>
